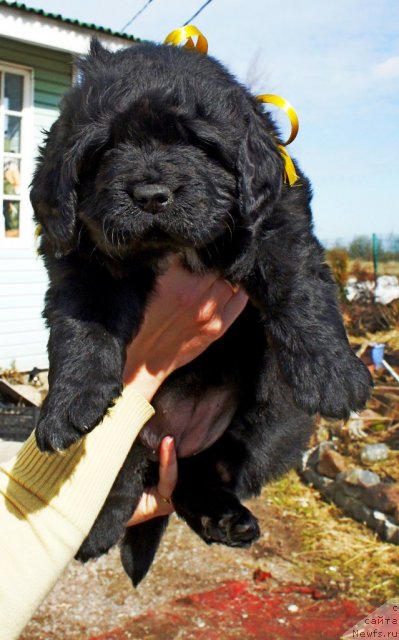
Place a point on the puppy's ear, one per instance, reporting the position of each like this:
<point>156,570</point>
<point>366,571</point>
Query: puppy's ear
<point>53,193</point>
<point>79,134</point>
<point>97,59</point>
<point>98,52</point>
<point>260,168</point>
<point>70,147</point>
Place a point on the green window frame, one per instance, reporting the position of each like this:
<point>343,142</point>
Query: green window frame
<point>16,154</point>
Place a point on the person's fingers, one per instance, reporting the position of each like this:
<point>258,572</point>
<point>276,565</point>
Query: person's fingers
<point>215,299</point>
<point>156,501</point>
<point>234,287</point>
<point>234,306</point>
<point>227,302</point>
<point>222,290</point>
<point>167,468</point>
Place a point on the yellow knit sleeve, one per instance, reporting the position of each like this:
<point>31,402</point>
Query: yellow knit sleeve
<point>48,504</point>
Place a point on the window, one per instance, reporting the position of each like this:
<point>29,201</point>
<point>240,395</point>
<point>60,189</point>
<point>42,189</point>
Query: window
<point>15,154</point>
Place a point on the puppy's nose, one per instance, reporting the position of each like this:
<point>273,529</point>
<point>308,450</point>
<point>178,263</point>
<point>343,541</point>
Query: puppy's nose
<point>152,197</point>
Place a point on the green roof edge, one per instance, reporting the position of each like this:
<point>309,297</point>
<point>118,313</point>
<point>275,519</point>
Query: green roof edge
<point>40,12</point>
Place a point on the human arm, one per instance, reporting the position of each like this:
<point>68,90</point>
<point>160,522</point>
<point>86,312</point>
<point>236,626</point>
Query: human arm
<point>48,503</point>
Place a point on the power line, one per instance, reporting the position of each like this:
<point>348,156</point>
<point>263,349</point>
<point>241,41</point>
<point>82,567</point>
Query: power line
<point>197,12</point>
<point>136,15</point>
<point>144,7</point>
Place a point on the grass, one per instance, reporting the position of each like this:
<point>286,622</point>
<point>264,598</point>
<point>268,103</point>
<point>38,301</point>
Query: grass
<point>384,268</point>
<point>336,552</point>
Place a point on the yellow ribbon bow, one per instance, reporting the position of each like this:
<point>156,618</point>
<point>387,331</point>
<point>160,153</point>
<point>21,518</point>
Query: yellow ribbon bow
<point>290,174</point>
<point>187,33</point>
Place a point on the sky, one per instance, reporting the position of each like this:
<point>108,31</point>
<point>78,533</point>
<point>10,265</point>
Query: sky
<point>336,61</point>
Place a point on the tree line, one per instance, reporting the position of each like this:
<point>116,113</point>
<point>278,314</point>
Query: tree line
<point>361,247</point>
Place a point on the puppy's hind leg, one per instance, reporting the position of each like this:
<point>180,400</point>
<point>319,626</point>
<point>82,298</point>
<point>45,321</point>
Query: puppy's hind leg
<point>139,546</point>
<point>110,525</point>
<point>216,515</point>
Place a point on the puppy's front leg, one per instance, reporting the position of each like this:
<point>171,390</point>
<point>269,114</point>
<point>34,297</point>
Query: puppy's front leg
<point>85,378</point>
<point>294,290</point>
<point>91,320</point>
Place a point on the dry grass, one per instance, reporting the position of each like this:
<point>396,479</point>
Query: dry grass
<point>384,268</point>
<point>336,552</point>
<point>389,338</point>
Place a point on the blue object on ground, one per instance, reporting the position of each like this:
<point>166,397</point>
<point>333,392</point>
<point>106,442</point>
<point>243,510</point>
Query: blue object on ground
<point>377,354</point>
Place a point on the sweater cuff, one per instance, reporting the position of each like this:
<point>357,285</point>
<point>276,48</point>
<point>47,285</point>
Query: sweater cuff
<point>76,482</point>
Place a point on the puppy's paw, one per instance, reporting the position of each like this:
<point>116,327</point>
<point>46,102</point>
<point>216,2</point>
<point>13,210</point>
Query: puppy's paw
<point>54,432</point>
<point>234,530</point>
<point>68,414</point>
<point>332,384</point>
<point>216,515</point>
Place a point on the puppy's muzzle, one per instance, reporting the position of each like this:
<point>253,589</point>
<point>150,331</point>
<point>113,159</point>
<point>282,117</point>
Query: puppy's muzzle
<point>153,198</point>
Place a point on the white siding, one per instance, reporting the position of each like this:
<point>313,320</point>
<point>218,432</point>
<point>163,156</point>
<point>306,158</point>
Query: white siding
<point>23,336</point>
<point>23,283</point>
<point>23,280</point>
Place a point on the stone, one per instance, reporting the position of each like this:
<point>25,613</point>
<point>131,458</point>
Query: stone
<point>374,452</point>
<point>331,463</point>
<point>360,512</point>
<point>391,533</point>
<point>343,501</point>
<point>319,482</point>
<point>355,482</point>
<point>329,488</point>
<point>311,457</point>
<point>380,520</point>
<point>309,475</point>
<point>359,477</point>
<point>325,483</point>
<point>352,490</point>
<point>359,492</point>
<point>383,496</point>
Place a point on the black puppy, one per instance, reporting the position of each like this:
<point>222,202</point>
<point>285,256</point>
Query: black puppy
<point>158,150</point>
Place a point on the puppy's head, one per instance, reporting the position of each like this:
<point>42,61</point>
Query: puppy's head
<point>155,145</point>
<point>155,183</point>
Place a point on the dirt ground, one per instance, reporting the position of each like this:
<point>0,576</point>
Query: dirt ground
<point>304,541</point>
<point>93,598</point>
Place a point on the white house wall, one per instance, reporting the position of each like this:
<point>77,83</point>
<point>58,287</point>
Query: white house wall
<point>23,336</point>
<point>23,280</point>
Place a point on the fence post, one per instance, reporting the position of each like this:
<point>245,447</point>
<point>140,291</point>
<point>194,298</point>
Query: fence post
<point>375,255</point>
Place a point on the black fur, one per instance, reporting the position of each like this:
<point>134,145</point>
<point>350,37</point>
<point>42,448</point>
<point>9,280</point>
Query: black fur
<point>170,119</point>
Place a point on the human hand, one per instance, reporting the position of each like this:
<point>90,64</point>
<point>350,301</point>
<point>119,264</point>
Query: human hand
<point>156,501</point>
<point>186,314</point>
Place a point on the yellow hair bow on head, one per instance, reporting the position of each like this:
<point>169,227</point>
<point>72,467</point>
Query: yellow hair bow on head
<point>186,34</point>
